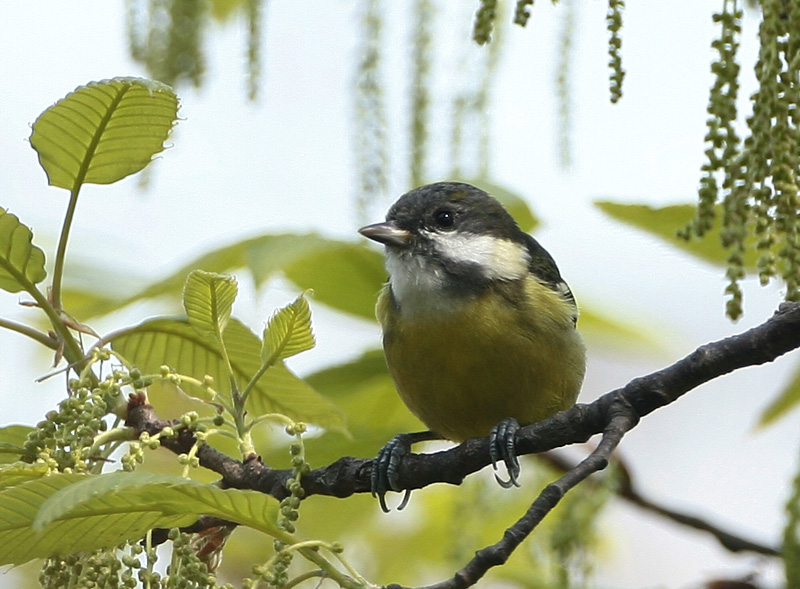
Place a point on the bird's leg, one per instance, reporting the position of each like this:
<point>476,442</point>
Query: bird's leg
<point>502,447</point>
<point>386,464</point>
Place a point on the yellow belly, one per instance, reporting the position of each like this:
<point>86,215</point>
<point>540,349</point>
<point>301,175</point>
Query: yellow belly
<point>463,372</point>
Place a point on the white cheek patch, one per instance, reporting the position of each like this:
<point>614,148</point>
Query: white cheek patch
<point>420,286</point>
<point>496,258</point>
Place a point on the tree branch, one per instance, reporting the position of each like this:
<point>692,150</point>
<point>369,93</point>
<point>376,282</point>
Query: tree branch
<point>613,415</point>
<point>622,419</point>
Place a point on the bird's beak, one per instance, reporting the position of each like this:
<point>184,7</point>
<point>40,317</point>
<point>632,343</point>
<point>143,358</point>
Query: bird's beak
<point>387,233</point>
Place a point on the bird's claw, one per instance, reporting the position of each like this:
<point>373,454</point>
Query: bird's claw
<point>502,447</point>
<point>385,469</point>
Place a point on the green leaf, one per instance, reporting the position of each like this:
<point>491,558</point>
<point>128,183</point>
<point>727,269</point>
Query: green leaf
<point>120,493</point>
<point>21,472</point>
<point>12,440</point>
<point>19,505</point>
<point>269,254</point>
<point>513,202</point>
<point>786,400</point>
<point>104,131</point>
<point>288,332</point>
<point>21,262</point>
<point>599,324</point>
<point>363,389</point>
<point>175,343</point>
<point>63,514</point>
<point>345,276</point>
<point>263,256</point>
<point>664,222</point>
<point>92,288</point>
<point>84,304</point>
<point>208,300</point>
<point>279,390</point>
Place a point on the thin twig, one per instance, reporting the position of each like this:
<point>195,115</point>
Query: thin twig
<point>622,419</point>
<point>32,333</point>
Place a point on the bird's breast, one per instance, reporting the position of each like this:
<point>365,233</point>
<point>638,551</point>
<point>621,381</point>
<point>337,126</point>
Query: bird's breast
<point>484,359</point>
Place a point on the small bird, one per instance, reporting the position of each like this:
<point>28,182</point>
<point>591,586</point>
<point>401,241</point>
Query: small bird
<point>478,325</point>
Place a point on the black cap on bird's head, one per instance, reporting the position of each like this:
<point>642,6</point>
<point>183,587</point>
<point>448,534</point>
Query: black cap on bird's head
<point>451,237</point>
<point>444,207</point>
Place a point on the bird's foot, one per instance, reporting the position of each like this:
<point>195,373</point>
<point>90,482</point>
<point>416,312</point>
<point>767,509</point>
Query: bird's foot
<point>385,467</point>
<point>502,447</point>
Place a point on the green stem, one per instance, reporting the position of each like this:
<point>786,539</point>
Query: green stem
<point>267,364</point>
<point>305,577</point>
<point>350,568</point>
<point>312,554</point>
<point>250,385</point>
<point>32,333</point>
<point>246,446</point>
<point>58,271</point>
<point>149,557</point>
<point>72,349</point>
<point>124,434</point>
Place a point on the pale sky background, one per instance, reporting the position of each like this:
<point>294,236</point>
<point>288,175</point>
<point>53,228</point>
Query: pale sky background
<point>284,163</point>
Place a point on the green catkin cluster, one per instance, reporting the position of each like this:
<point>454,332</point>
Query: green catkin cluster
<point>275,573</point>
<point>563,90</point>
<point>63,439</point>
<point>371,148</point>
<point>184,55</point>
<point>484,21</point>
<point>522,12</point>
<point>470,136</point>
<point>187,569</point>
<point>777,104</point>
<point>722,153</point>
<point>101,569</point>
<point>422,49</point>
<point>755,180</point>
<point>166,36</point>
<point>254,11</point>
<point>122,568</point>
<point>614,24</point>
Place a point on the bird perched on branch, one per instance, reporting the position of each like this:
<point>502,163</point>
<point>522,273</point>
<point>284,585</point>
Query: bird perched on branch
<point>478,325</point>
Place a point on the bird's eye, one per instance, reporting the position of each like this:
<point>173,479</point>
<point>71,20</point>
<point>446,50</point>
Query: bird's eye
<point>444,218</point>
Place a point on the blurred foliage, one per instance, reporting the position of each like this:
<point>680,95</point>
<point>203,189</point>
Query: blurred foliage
<point>167,37</point>
<point>662,222</point>
<point>786,400</point>
<point>791,536</point>
<point>12,442</point>
<point>322,265</point>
